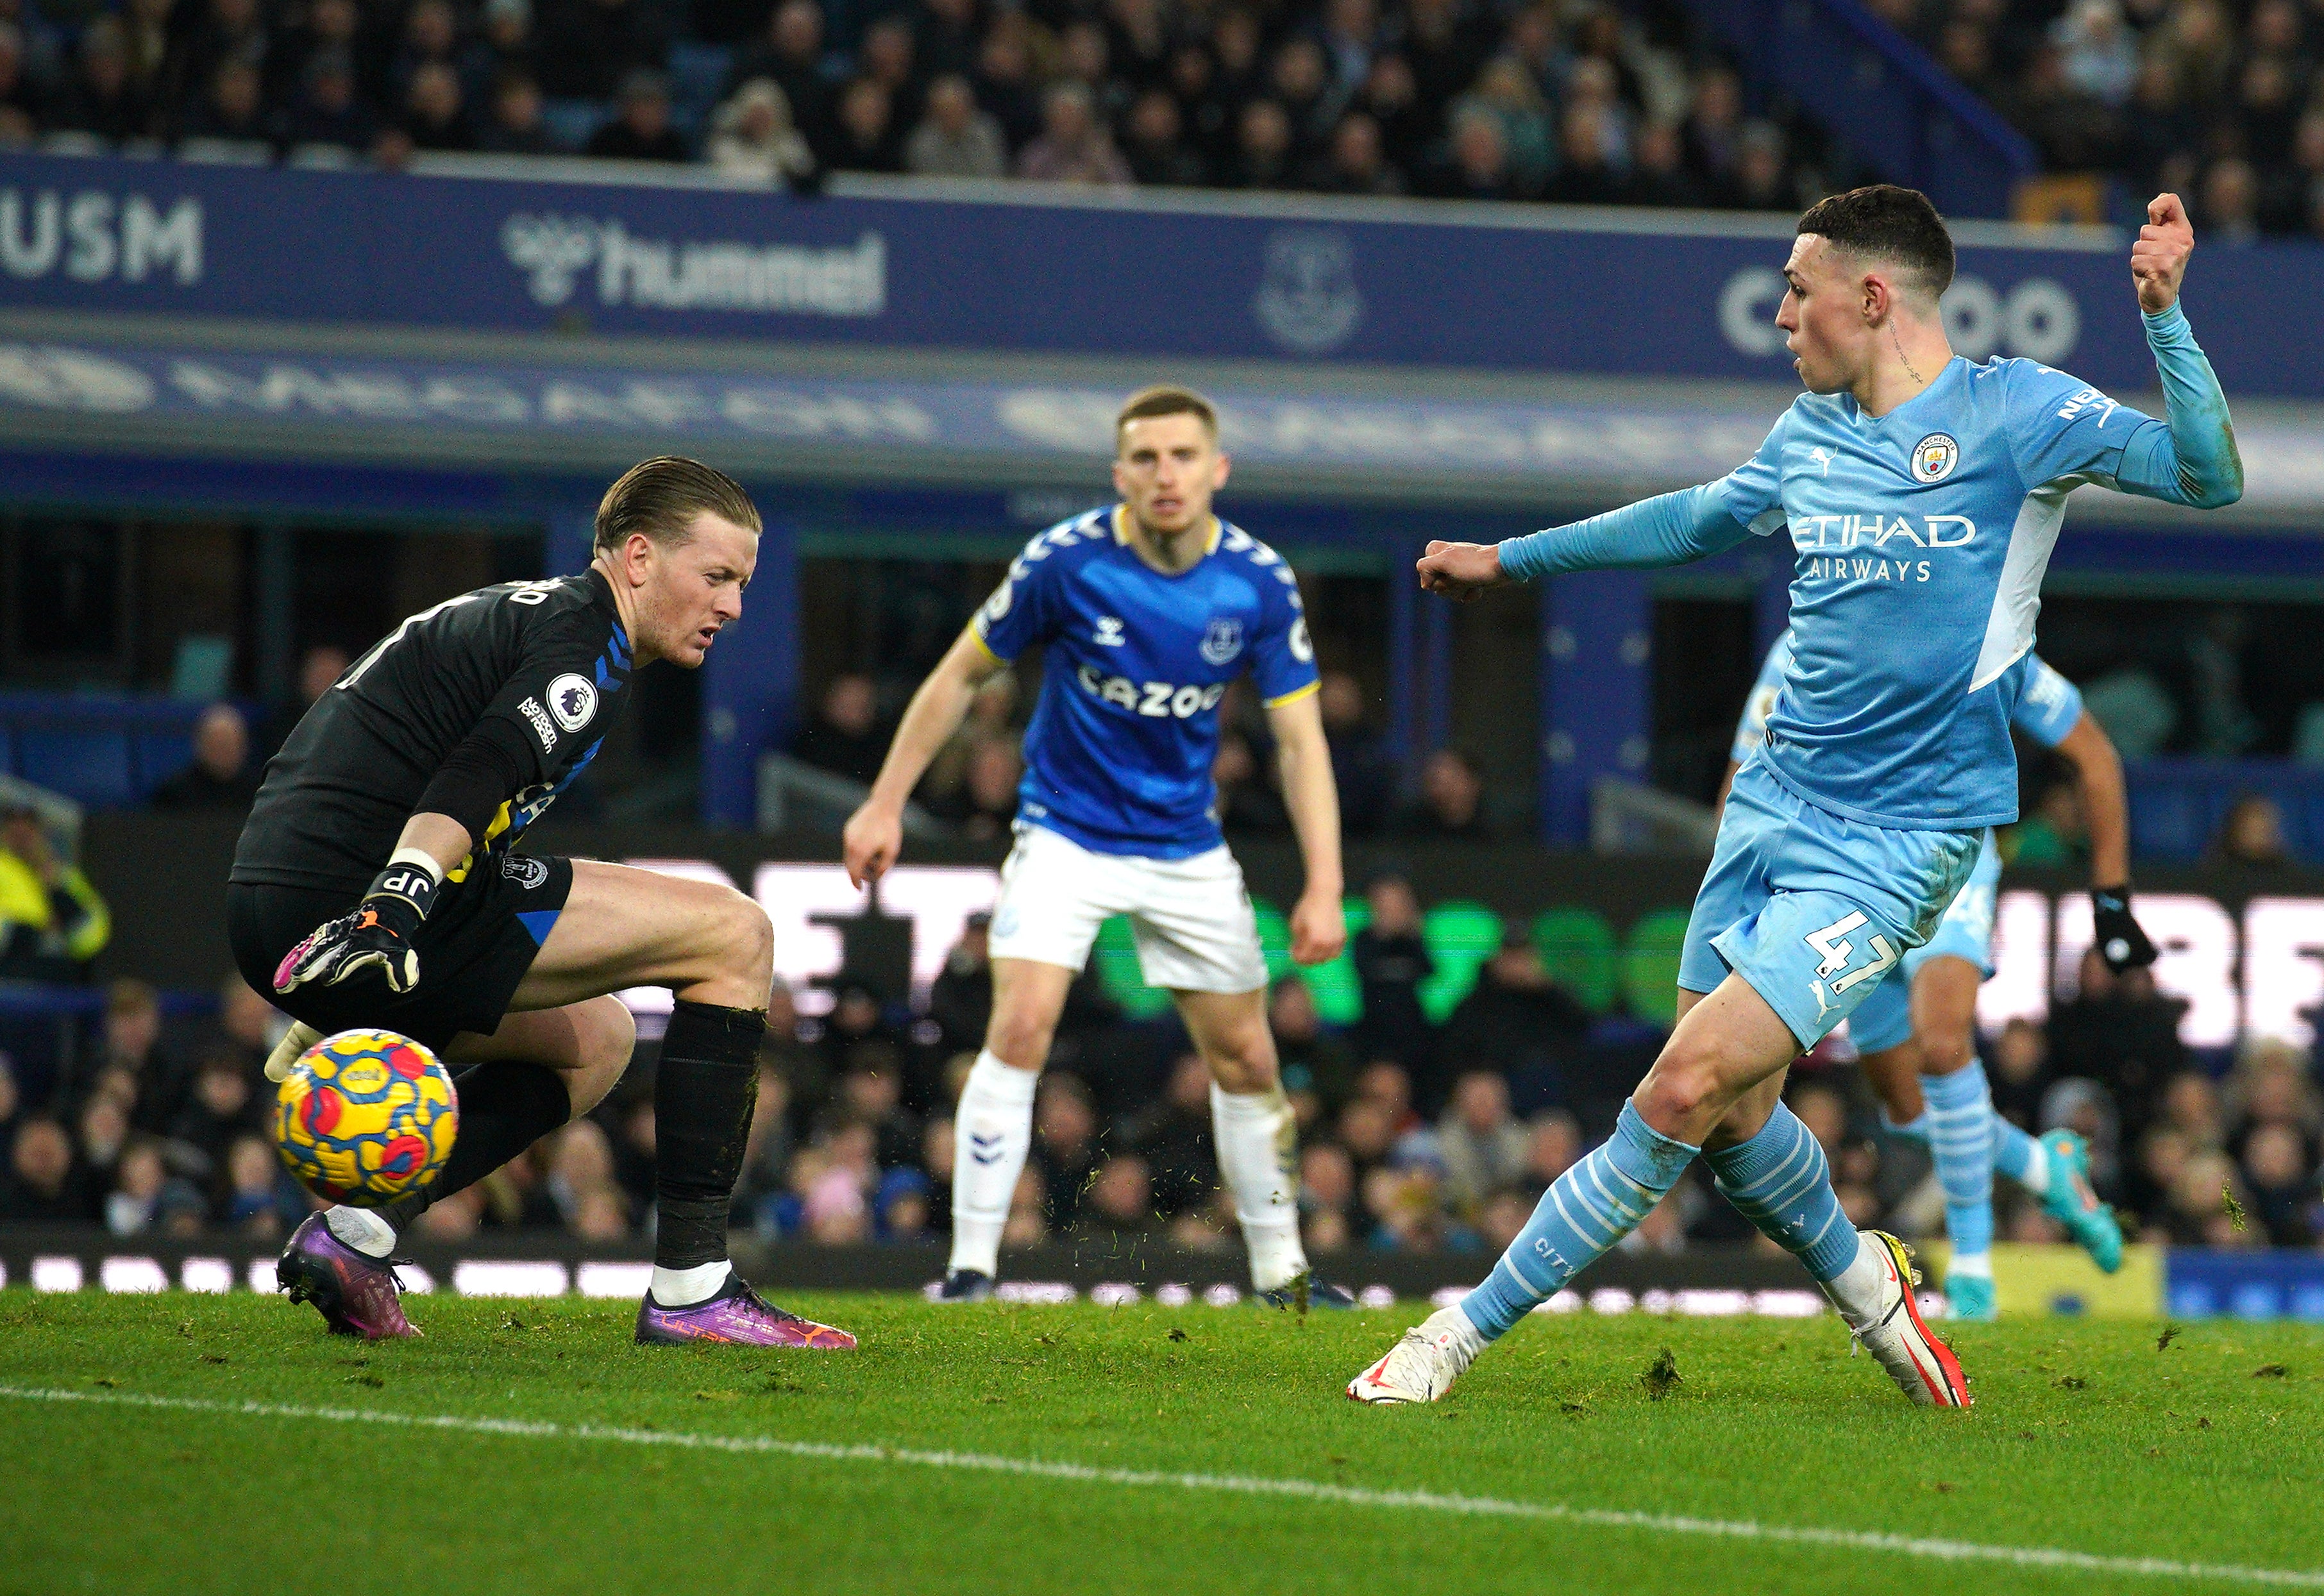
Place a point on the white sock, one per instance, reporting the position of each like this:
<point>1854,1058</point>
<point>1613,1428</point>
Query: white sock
<point>1857,1293</point>
<point>994,1131</point>
<point>1968,1264</point>
<point>2037,1168</point>
<point>362,1230</point>
<point>1258,1144</point>
<point>682,1288</point>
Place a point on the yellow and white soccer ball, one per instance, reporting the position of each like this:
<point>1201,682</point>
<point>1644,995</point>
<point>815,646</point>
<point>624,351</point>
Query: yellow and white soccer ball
<point>365,1116</point>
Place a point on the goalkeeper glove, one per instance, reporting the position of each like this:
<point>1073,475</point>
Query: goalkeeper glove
<point>376,936</point>
<point>2120,942</point>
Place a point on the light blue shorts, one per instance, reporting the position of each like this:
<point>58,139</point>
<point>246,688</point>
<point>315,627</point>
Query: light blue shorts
<point>1884,1018</point>
<point>1811,908</point>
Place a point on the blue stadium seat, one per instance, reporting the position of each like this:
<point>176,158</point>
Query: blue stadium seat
<point>92,768</point>
<point>161,755</point>
<point>571,124</point>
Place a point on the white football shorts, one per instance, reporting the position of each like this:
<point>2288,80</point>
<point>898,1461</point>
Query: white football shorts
<point>1192,917</point>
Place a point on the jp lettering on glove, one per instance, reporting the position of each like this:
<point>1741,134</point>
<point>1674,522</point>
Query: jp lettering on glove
<point>378,936</point>
<point>2117,934</point>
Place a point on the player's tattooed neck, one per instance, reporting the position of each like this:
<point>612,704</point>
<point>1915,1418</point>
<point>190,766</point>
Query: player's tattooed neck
<point>1897,338</point>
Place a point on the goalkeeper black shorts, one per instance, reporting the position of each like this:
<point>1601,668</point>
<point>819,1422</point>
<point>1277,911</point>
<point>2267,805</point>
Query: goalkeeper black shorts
<point>474,948</point>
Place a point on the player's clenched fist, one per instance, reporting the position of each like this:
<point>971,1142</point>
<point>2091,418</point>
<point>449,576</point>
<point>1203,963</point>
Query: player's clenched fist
<point>1319,928</point>
<point>2158,260</point>
<point>1460,571</point>
<point>868,845</point>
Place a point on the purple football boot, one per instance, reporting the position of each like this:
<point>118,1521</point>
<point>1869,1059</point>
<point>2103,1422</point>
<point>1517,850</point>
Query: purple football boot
<point>736,1316</point>
<point>356,1293</point>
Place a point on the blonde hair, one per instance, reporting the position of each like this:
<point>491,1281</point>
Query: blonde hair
<point>660,497</point>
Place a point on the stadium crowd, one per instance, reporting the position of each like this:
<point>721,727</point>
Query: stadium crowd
<point>1416,1136</point>
<point>1578,101</point>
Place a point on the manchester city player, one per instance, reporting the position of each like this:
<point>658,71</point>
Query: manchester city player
<point>1923,1022</point>
<point>1146,612</point>
<point>1923,494</point>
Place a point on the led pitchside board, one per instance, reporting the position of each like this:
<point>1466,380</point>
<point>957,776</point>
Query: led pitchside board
<point>2263,975</point>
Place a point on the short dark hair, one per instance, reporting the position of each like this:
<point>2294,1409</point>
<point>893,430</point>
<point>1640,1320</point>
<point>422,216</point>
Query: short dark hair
<point>1165,399</point>
<point>1890,223</point>
<point>660,497</point>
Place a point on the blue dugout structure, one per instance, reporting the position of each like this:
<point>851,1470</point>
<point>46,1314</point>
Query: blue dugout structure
<point>932,369</point>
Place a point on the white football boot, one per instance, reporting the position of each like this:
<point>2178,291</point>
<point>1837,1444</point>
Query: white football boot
<point>1889,1326</point>
<point>1423,1365</point>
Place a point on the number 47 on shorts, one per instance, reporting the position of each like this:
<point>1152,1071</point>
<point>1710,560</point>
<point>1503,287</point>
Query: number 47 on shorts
<point>1834,951</point>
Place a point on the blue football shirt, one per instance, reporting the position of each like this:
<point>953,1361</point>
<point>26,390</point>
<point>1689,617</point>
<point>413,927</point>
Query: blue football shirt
<point>1118,754</point>
<point>1921,539</point>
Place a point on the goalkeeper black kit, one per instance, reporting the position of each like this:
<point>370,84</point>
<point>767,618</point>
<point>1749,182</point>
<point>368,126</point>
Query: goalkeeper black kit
<point>484,709</point>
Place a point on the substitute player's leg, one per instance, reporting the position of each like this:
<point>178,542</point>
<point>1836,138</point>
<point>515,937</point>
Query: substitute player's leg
<point>993,1129</point>
<point>1256,1134</point>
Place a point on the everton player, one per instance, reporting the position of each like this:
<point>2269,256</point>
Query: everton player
<point>1917,1030</point>
<point>378,884</point>
<point>1923,494</point>
<point>1147,610</point>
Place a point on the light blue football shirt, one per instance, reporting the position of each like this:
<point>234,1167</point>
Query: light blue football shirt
<point>2047,705</point>
<point>1118,754</point>
<point>1921,540</point>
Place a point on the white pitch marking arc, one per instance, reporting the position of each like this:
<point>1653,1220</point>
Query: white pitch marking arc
<point>1853,1540</point>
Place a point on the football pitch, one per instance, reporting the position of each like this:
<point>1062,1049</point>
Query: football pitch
<point>192,1444</point>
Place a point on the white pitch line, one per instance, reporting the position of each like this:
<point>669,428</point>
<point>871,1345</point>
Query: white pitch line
<point>1314,1490</point>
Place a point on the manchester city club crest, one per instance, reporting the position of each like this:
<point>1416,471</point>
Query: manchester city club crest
<point>1934,457</point>
<point>1308,301</point>
<point>1223,641</point>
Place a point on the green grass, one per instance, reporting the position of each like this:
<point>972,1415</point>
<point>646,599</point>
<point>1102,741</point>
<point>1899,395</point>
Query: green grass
<point>2086,1437</point>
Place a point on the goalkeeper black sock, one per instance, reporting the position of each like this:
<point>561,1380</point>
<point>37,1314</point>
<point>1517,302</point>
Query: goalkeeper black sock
<point>704,1090</point>
<point>505,1106</point>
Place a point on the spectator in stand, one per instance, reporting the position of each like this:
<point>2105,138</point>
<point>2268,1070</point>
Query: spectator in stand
<point>1327,1194</point>
<point>232,110</point>
<point>589,48</point>
<point>2020,1073</point>
<point>872,1095</point>
<point>846,737</point>
<point>986,805</point>
<point>2252,833</point>
<point>131,1042</point>
<point>1120,1199</point>
<point>1245,805</point>
<point>1585,176</point>
<point>790,52</point>
<point>2282,1176</point>
<point>431,37</point>
<point>222,777</point>
<point>1065,1146</point>
<point>641,129</point>
<point>53,922</point>
<point>21,101</point>
<point>1476,165</point>
<point>1658,174</point>
<point>513,122</point>
<point>247,1024</point>
<point>1074,146</point>
<point>1264,156</point>
<point>327,113</point>
<point>1452,805</point>
<point>1763,180</point>
<point>44,1185</point>
<point>1005,83</point>
<point>955,139</point>
<point>504,48</point>
<point>201,43</point>
<point>1174,1137</point>
<point>1482,1146</point>
<point>1358,163</point>
<point>434,114</point>
<point>104,100</point>
<point>1509,94</point>
<point>752,138</point>
<point>1360,767</point>
<point>961,1000</point>
<point>222,1106</point>
<point>888,56</point>
<point>1553,1145</point>
<point>2120,1032</point>
<point>104,1135</point>
<point>147,1199</point>
<point>1154,146</point>
<point>1391,963</point>
<point>12,1099</point>
<point>1519,1022</point>
<point>261,1202</point>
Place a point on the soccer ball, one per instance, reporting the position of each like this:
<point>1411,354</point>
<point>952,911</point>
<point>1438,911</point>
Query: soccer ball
<point>365,1117</point>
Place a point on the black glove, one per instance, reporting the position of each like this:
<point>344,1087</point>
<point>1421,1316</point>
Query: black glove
<point>376,936</point>
<point>2120,943</point>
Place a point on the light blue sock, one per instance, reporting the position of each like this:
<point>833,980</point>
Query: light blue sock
<point>1913,1129</point>
<point>1589,1208</point>
<point>1960,1140</point>
<point>2019,1156</point>
<point>1780,1181</point>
